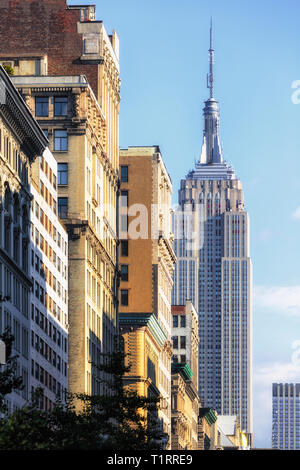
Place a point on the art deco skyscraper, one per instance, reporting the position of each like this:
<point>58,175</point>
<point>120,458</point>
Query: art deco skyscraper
<point>211,230</point>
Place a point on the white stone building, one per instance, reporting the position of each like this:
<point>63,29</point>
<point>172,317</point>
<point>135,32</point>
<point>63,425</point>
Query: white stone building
<point>49,297</point>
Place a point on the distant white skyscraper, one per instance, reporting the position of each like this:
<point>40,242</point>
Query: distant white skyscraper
<point>211,231</point>
<point>286,416</point>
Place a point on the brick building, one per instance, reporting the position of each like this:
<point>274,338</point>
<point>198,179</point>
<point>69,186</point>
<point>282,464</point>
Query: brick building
<point>147,262</point>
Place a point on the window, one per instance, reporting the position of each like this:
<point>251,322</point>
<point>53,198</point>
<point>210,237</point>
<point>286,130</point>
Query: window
<point>46,132</point>
<point>124,272</point>
<point>123,222</point>
<point>124,297</point>
<point>60,140</point>
<point>124,199</point>
<point>62,177</point>
<point>42,106</point>
<point>38,66</point>
<point>182,342</point>
<point>63,207</point>
<point>183,359</point>
<point>175,321</point>
<point>60,105</point>
<point>124,174</point>
<point>124,247</point>
<point>182,321</point>
<point>175,359</point>
<point>91,45</point>
<point>175,342</point>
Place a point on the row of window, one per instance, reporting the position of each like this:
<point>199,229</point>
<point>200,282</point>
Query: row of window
<point>181,359</point>
<point>176,342</point>
<point>48,172</point>
<point>42,106</point>
<point>60,141</point>
<point>48,353</point>
<point>47,326</point>
<point>45,246</point>
<point>14,158</point>
<point>51,229</point>
<point>182,321</point>
<point>43,376</point>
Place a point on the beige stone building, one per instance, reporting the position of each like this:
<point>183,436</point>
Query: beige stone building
<point>146,262</point>
<point>49,296</point>
<point>87,188</point>
<point>185,400</point>
<point>207,430</point>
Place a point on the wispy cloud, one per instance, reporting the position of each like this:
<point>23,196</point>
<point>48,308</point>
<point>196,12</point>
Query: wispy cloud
<point>296,214</point>
<point>265,235</point>
<point>285,300</point>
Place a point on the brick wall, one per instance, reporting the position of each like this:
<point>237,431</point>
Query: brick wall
<point>45,27</point>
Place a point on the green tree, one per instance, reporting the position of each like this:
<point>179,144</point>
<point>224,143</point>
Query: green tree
<point>8,379</point>
<point>118,419</point>
<point>9,70</point>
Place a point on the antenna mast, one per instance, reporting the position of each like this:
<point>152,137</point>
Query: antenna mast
<point>210,75</point>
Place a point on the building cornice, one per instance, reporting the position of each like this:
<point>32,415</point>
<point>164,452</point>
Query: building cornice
<point>183,369</point>
<point>19,117</point>
<point>144,319</point>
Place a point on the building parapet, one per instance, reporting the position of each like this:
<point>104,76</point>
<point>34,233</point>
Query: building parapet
<point>145,319</point>
<point>183,369</point>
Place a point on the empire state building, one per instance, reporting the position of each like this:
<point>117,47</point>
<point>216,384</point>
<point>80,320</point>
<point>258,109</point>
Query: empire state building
<point>211,228</point>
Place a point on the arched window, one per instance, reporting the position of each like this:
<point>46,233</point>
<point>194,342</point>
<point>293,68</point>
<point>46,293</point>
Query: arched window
<point>16,207</point>
<point>7,199</point>
<point>7,219</point>
<point>24,219</point>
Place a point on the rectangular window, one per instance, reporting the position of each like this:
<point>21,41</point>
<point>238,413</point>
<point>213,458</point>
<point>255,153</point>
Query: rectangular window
<point>175,321</point>
<point>124,173</point>
<point>183,359</point>
<point>182,342</point>
<point>175,342</point>
<point>62,176</point>
<point>182,321</point>
<point>124,199</point>
<point>63,207</point>
<point>123,222</point>
<point>60,106</point>
<point>42,106</point>
<point>124,272</point>
<point>60,140</point>
<point>124,297</point>
<point>124,247</point>
<point>38,66</point>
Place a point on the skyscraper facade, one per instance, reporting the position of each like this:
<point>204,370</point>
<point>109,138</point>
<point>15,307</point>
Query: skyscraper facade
<point>211,229</point>
<point>286,416</point>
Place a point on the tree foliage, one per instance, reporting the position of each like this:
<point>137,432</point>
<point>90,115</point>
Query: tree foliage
<point>8,379</point>
<point>9,70</point>
<point>118,419</point>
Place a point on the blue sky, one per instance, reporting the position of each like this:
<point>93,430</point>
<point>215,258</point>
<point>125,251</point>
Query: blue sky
<point>164,61</point>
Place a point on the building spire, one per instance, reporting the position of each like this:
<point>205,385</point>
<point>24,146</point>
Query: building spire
<point>211,148</point>
<point>210,75</point>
